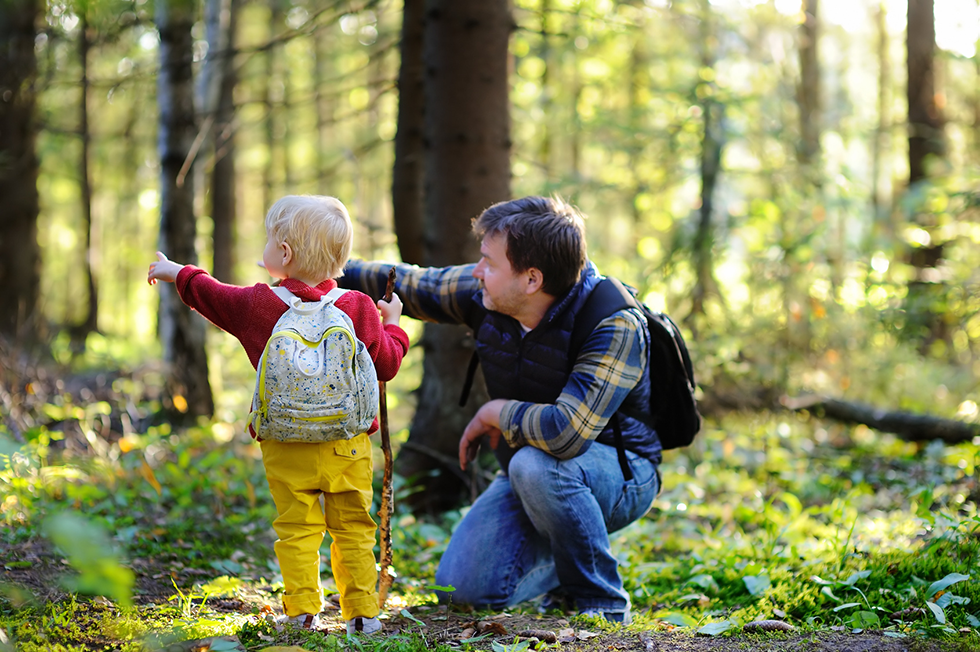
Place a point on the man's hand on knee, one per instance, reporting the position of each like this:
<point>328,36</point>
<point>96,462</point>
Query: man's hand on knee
<point>486,421</point>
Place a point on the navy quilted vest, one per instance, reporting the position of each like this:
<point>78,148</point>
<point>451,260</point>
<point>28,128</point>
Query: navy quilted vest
<point>535,367</point>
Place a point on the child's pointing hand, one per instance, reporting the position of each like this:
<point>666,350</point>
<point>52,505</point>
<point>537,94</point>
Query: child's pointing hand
<point>163,270</point>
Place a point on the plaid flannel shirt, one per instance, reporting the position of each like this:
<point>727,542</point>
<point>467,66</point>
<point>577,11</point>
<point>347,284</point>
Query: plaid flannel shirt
<point>609,367</point>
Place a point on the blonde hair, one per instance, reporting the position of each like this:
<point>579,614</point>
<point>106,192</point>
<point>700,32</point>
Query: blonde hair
<point>319,231</point>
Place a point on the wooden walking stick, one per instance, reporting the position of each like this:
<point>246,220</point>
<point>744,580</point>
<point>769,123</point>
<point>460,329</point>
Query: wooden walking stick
<point>387,492</point>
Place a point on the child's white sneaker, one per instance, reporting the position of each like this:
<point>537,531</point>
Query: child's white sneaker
<point>361,625</point>
<point>302,621</point>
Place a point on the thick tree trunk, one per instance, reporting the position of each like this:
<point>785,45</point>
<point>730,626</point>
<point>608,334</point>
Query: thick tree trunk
<point>20,256</point>
<point>407,175</point>
<point>218,87</point>
<point>181,331</point>
<point>467,168</point>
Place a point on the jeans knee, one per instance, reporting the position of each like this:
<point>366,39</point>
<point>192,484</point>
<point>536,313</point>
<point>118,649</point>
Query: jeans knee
<point>527,470</point>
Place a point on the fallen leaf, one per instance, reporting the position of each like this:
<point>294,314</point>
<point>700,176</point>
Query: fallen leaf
<point>583,635</point>
<point>468,632</point>
<point>485,626</point>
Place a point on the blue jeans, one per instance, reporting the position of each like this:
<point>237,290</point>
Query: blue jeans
<point>546,526</point>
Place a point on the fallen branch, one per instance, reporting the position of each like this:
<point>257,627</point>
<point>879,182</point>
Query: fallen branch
<point>907,425</point>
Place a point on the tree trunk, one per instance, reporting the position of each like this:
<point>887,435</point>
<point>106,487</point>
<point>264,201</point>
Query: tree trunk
<point>407,174</point>
<point>925,119</point>
<point>20,255</point>
<point>926,150</point>
<point>218,87</point>
<point>181,331</point>
<point>712,142</point>
<point>467,168</point>
<point>544,128</point>
<point>324,116</point>
<point>272,95</point>
<point>881,208</point>
<point>91,322</point>
<point>809,92</point>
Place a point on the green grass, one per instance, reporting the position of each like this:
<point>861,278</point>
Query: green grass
<point>769,515</point>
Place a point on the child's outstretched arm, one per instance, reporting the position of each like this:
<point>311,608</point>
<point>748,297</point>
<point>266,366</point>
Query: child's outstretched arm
<point>163,270</point>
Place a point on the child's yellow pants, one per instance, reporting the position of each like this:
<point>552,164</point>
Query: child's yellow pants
<point>340,472</point>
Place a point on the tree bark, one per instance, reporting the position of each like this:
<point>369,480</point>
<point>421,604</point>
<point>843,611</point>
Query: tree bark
<point>91,322</point>
<point>181,331</point>
<point>712,142</point>
<point>218,87</point>
<point>925,118</point>
<point>926,149</point>
<point>407,175</point>
<point>20,255</point>
<point>809,89</point>
<point>879,146</point>
<point>467,168</point>
<point>272,96</point>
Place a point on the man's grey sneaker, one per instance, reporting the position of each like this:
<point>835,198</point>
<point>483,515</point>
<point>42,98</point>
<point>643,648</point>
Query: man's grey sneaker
<point>361,625</point>
<point>302,621</point>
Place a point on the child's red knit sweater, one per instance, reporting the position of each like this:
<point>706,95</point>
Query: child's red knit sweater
<point>250,313</point>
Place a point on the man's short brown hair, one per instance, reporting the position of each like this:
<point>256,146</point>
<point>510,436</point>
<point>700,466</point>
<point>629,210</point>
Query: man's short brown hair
<point>542,232</point>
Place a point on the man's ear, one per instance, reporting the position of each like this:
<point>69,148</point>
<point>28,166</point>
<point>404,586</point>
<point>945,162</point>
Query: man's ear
<point>535,280</point>
<point>287,253</point>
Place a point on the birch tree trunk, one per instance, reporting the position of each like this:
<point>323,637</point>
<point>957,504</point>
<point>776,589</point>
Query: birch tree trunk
<point>20,255</point>
<point>181,332</point>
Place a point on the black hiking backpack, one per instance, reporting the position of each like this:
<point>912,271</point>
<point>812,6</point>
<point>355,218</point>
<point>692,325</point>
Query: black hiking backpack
<point>673,407</point>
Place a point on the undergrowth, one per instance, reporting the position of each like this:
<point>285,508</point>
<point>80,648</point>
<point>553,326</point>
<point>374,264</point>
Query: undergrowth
<point>773,515</point>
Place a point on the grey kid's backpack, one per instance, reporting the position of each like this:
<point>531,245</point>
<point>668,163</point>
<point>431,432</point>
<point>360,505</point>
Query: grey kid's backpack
<point>315,380</point>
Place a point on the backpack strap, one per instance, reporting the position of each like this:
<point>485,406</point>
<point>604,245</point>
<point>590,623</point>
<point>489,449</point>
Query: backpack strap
<point>287,296</point>
<point>468,381</point>
<point>608,297</point>
<point>284,294</point>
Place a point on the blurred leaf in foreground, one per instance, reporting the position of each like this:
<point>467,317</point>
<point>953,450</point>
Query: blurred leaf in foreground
<point>91,554</point>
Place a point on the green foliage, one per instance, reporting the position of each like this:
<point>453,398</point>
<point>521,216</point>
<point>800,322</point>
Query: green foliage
<point>89,552</point>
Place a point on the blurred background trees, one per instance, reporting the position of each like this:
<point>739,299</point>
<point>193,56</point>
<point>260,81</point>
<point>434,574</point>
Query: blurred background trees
<point>795,180</point>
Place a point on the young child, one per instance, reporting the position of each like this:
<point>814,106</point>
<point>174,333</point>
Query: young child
<point>309,241</point>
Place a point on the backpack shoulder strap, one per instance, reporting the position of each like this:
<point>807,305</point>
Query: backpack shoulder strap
<point>609,296</point>
<point>284,294</point>
<point>335,293</point>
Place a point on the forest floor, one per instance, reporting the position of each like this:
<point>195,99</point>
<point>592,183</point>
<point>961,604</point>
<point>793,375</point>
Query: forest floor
<point>32,566</point>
